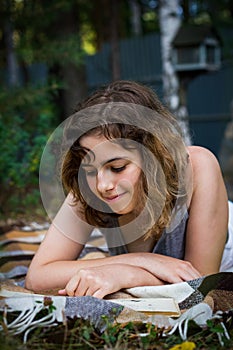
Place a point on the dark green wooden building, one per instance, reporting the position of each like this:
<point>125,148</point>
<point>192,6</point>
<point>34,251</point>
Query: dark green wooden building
<point>209,95</point>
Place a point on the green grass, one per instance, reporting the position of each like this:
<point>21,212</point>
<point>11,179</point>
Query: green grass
<point>80,334</point>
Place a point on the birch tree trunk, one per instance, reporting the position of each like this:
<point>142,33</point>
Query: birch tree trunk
<point>170,22</point>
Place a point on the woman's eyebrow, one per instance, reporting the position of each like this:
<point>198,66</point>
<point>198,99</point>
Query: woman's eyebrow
<point>113,160</point>
<point>105,162</point>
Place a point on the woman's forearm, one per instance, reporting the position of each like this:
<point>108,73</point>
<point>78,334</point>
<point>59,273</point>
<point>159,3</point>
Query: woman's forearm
<point>165,268</point>
<point>57,274</point>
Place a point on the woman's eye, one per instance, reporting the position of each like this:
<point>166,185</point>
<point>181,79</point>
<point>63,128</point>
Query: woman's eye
<point>118,169</point>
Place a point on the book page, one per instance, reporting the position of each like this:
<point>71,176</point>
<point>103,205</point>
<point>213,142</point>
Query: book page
<point>151,306</point>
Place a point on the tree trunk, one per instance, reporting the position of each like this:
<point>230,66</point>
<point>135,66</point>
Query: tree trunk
<point>76,88</point>
<point>135,17</point>
<point>12,66</point>
<point>73,75</point>
<point>114,40</point>
<point>174,95</point>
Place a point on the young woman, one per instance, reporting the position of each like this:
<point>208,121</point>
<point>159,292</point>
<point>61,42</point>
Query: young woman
<point>161,206</point>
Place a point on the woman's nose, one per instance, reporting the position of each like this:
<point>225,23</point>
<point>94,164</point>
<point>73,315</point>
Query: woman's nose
<point>105,181</point>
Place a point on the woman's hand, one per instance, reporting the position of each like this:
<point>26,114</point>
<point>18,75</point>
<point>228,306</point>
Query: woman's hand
<point>100,281</point>
<point>168,269</point>
<point>94,281</point>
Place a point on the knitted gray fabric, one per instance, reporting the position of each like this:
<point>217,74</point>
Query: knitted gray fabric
<point>92,309</point>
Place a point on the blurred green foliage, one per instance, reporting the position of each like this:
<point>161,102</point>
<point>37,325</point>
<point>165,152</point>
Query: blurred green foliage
<point>26,120</point>
<point>57,33</point>
<point>32,100</point>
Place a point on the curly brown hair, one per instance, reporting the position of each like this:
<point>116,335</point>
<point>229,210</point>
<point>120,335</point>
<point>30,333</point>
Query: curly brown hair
<point>129,111</point>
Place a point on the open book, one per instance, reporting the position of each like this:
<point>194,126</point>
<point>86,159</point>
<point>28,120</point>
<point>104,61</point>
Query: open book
<point>152,306</point>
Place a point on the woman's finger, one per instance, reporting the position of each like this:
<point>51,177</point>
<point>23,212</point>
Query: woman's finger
<point>100,294</point>
<point>62,292</point>
<point>91,291</point>
<point>72,286</point>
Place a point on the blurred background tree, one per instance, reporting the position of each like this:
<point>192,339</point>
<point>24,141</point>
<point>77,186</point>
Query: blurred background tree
<point>43,47</point>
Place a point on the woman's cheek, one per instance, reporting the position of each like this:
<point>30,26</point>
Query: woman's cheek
<point>135,175</point>
<point>92,184</point>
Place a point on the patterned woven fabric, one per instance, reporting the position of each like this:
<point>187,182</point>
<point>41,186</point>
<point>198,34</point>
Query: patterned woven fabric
<point>217,287</point>
<point>207,295</point>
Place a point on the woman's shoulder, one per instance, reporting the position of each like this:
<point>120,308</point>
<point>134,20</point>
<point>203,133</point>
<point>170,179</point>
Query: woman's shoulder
<point>202,158</point>
<point>206,171</point>
<point>201,153</point>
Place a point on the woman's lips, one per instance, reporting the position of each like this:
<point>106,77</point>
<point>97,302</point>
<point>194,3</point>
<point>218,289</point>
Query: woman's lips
<point>113,198</point>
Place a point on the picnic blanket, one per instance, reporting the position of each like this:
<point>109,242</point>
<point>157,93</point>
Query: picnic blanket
<point>199,300</point>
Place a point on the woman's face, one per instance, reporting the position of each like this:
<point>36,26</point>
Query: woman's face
<point>112,172</point>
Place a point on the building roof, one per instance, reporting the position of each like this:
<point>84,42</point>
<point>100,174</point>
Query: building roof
<point>194,35</point>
